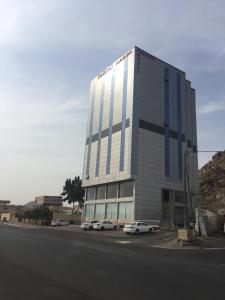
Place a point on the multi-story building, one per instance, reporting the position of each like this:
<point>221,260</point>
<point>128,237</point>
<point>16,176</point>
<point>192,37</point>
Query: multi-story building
<point>4,203</point>
<point>142,120</point>
<point>52,202</point>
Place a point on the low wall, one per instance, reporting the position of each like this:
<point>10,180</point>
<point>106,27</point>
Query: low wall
<point>34,222</point>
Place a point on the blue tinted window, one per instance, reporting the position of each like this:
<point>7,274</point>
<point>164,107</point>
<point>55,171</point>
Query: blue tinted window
<point>179,128</point>
<point>90,129</point>
<point>110,124</point>
<point>100,130</point>
<point>167,123</point>
<point>124,108</point>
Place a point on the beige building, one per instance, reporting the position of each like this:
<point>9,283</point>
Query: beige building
<point>6,216</point>
<point>54,203</point>
<point>5,207</point>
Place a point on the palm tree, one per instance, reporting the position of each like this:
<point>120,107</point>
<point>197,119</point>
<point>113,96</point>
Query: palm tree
<point>73,191</point>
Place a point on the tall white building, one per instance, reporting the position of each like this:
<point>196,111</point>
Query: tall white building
<point>142,119</point>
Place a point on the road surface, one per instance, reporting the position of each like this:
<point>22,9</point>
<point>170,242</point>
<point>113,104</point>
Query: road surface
<point>38,264</point>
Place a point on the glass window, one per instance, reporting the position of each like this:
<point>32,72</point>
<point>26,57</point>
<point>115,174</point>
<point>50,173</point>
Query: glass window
<point>126,211</point>
<point>123,125</point>
<point>100,192</point>
<point>111,211</point>
<point>89,211</point>
<point>126,189</point>
<point>91,193</point>
<point>100,211</point>
<point>112,190</point>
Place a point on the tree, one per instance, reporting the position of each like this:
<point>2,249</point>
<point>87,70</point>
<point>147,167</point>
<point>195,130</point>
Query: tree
<point>38,213</point>
<point>73,191</point>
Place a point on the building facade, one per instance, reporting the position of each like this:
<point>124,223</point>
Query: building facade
<point>142,119</point>
<point>54,203</point>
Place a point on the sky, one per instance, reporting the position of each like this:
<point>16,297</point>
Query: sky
<point>49,52</point>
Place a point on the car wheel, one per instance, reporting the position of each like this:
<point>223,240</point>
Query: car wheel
<point>150,230</point>
<point>115,227</point>
<point>136,231</point>
<point>102,228</point>
<point>91,228</point>
<point>128,233</point>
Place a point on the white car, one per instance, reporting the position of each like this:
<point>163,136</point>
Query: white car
<point>155,227</point>
<point>59,222</point>
<point>137,227</point>
<point>63,222</point>
<point>105,225</point>
<point>54,222</point>
<point>88,225</point>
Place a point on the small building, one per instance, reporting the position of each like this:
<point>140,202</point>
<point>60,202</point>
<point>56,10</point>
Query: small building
<point>54,203</point>
<point>8,211</point>
<point>5,216</point>
<point>4,203</point>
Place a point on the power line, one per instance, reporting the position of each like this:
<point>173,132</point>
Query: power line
<point>211,151</point>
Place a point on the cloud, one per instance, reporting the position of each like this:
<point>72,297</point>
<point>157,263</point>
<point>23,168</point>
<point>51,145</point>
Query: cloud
<point>50,50</point>
<point>212,107</point>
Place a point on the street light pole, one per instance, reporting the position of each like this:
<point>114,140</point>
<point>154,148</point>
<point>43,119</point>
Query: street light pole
<point>185,188</point>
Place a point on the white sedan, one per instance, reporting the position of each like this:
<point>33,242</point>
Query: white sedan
<point>137,227</point>
<point>105,225</point>
<point>63,223</point>
<point>59,222</point>
<point>88,225</point>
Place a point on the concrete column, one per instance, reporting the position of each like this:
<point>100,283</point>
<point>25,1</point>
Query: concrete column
<point>94,211</point>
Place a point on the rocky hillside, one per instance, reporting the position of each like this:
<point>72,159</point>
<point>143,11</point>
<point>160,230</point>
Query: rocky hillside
<point>212,184</point>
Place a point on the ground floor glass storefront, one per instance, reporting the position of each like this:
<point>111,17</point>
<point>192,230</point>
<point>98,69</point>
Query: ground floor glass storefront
<point>118,211</point>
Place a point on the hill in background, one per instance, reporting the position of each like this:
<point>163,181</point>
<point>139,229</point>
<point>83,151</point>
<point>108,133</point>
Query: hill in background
<point>212,184</point>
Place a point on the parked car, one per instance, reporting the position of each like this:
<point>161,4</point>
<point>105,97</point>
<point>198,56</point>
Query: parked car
<point>88,225</point>
<point>54,223</point>
<point>59,222</point>
<point>104,225</point>
<point>137,227</point>
<point>63,223</point>
<point>155,227</point>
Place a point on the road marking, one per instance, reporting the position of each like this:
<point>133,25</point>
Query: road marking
<point>123,242</point>
<point>92,247</point>
<point>14,225</point>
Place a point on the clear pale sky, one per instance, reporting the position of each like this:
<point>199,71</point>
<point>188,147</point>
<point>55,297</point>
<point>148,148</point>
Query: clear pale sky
<point>49,52</point>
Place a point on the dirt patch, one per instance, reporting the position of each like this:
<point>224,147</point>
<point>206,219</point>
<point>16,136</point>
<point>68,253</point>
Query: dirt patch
<point>216,241</point>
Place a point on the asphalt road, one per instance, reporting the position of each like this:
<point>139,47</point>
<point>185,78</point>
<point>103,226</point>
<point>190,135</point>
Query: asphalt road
<point>38,264</point>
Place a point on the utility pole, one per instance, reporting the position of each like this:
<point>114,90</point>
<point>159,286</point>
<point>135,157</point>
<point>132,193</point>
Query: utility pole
<point>185,189</point>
